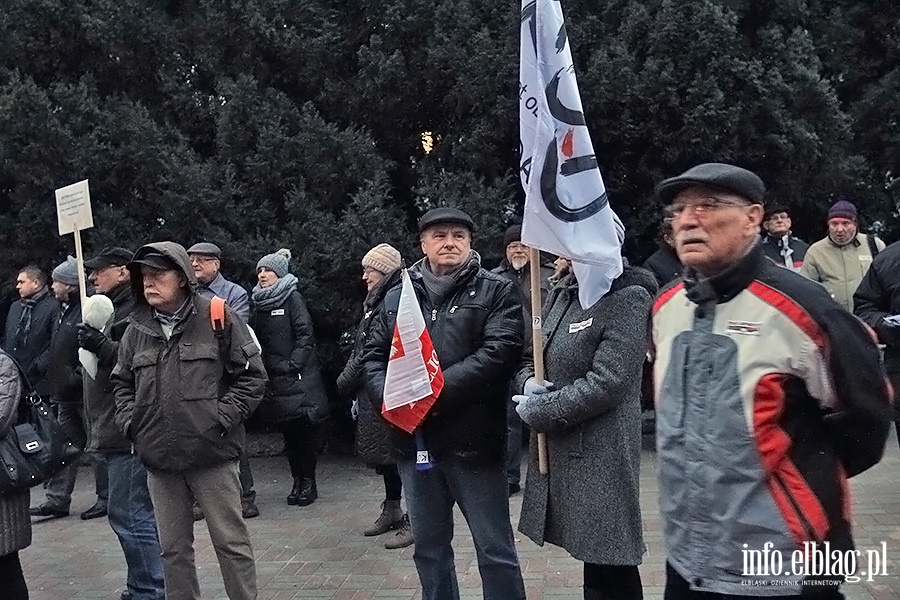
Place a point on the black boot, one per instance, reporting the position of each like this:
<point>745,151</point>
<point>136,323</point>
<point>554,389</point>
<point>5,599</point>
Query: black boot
<point>294,496</point>
<point>308,493</point>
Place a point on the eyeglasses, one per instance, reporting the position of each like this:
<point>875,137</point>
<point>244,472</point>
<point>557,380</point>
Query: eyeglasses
<point>202,260</point>
<point>706,207</point>
<point>516,246</point>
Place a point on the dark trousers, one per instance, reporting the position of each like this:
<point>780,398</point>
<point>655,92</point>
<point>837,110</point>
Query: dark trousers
<point>70,416</point>
<point>393,485</point>
<point>13,581</point>
<point>246,476</point>
<point>612,582</point>
<point>300,445</point>
<point>677,588</point>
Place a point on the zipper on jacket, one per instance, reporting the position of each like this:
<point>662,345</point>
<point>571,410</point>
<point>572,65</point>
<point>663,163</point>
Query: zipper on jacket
<point>807,526</point>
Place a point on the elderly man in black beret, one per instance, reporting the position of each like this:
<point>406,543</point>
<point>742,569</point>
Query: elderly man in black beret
<point>475,321</point>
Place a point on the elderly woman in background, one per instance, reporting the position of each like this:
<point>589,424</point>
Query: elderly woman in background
<point>381,272</point>
<point>295,396</point>
<point>15,522</point>
<point>589,503</point>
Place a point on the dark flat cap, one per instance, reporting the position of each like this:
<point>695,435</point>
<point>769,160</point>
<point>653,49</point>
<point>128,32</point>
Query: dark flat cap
<point>206,249</point>
<point>109,257</point>
<point>156,260</point>
<point>445,215</point>
<point>718,176</point>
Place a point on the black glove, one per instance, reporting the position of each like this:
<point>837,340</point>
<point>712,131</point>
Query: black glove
<point>89,338</point>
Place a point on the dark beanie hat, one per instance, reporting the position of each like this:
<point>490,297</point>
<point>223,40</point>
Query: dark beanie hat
<point>842,209</point>
<point>513,234</point>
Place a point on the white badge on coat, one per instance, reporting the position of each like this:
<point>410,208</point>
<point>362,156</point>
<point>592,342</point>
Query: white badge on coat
<point>576,327</point>
<point>278,312</point>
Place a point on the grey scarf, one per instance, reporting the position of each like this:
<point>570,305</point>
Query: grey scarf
<point>23,327</point>
<point>438,287</point>
<point>274,296</point>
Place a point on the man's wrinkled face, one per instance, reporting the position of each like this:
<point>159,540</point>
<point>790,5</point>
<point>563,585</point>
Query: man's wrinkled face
<point>778,224</point>
<point>517,255</point>
<point>206,268</point>
<point>26,286</point>
<point>106,279</point>
<point>164,289</point>
<point>446,246</point>
<point>713,228</point>
<point>842,231</point>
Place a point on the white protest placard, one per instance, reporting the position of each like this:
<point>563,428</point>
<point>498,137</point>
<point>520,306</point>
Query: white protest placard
<point>73,208</point>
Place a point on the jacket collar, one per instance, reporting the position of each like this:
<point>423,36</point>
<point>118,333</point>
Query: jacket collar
<point>727,284</point>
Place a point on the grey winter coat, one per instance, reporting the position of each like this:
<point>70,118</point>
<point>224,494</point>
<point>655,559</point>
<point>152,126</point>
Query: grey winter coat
<point>373,434</point>
<point>15,523</point>
<point>589,503</point>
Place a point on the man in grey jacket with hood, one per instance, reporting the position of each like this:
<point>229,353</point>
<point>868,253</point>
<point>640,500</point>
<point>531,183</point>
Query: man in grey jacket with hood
<point>184,387</point>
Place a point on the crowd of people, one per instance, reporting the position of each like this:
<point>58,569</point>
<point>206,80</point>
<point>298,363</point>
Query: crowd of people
<point>769,393</point>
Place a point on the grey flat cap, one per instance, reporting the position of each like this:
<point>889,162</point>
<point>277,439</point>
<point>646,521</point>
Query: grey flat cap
<point>715,175</point>
<point>206,249</point>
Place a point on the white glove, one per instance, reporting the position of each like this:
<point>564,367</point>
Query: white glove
<point>533,388</point>
<point>354,409</point>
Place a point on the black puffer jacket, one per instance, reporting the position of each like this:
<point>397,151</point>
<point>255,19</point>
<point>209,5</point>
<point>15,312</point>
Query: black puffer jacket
<point>373,435</point>
<point>477,333</point>
<point>295,388</point>
<point>64,373</point>
<point>99,399</point>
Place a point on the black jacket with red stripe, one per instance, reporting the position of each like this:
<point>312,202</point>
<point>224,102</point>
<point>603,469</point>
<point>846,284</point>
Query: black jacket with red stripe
<point>769,396</point>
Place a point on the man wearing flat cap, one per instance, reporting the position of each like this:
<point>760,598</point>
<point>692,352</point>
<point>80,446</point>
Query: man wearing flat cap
<point>206,260</point>
<point>769,396</point>
<point>475,321</point>
<point>183,389</point>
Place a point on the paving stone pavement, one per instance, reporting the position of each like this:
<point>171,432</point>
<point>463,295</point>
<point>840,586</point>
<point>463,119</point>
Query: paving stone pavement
<point>319,552</point>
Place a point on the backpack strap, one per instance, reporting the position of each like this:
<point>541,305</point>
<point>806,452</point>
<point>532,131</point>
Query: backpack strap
<point>217,314</point>
<point>873,247</point>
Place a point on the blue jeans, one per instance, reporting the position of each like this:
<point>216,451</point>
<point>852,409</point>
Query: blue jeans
<point>131,518</point>
<point>481,492</point>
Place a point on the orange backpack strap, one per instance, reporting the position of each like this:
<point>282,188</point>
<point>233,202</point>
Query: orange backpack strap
<point>217,313</point>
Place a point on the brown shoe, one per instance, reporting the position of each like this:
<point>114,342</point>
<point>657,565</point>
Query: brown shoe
<point>391,518</point>
<point>403,537</point>
<point>248,508</point>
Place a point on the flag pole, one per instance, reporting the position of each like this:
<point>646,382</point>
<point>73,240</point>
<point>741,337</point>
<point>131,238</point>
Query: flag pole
<point>537,342</point>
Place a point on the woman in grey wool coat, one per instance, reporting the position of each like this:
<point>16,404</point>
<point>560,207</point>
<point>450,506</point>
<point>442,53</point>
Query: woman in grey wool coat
<point>15,522</point>
<point>589,503</point>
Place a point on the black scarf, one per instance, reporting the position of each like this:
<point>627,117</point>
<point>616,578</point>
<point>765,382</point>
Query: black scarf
<point>23,328</point>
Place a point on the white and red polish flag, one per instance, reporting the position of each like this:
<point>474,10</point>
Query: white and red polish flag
<point>414,378</point>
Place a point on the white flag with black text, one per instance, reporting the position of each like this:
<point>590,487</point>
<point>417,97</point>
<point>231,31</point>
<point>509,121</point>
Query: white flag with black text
<point>566,207</point>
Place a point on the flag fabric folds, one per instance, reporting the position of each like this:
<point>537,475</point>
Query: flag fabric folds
<point>566,207</point>
<point>414,378</point>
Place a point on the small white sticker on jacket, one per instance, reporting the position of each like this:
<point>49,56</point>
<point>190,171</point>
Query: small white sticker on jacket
<point>576,327</point>
<point>743,327</point>
<point>278,312</point>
